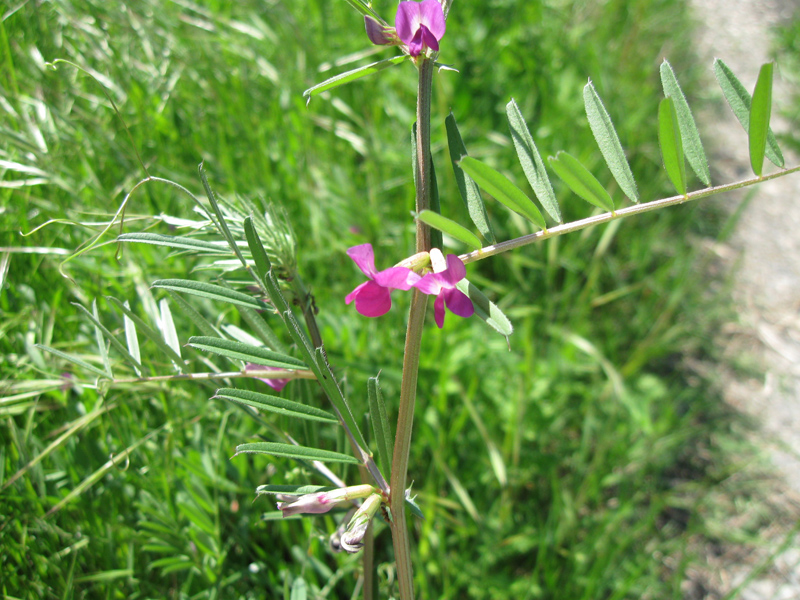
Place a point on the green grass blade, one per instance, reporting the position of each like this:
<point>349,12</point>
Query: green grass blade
<point>221,224</point>
<point>203,324</point>
<point>297,452</point>
<point>760,111</point>
<point>669,140</point>
<point>275,404</point>
<point>74,360</point>
<point>262,329</point>
<point>148,331</point>
<point>380,423</point>
<point>500,187</point>
<point>168,327</point>
<point>739,100</point>
<point>174,242</point>
<point>93,317</point>
<point>531,161</point>
<point>131,337</point>
<point>364,8</point>
<point>245,352</point>
<point>210,291</point>
<point>98,334</point>
<point>690,137</point>
<point>350,76</point>
<point>291,490</point>
<point>466,186</point>
<point>580,180</point>
<point>449,227</point>
<point>262,264</point>
<point>608,140</point>
<point>328,382</point>
<point>486,309</point>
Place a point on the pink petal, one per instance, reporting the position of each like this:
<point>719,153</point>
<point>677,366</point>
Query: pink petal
<point>438,310</point>
<point>432,17</point>
<point>373,300</point>
<point>455,272</point>
<point>458,303</point>
<point>429,285</point>
<point>407,20</point>
<point>364,258</point>
<point>415,45</point>
<point>397,278</point>
<point>428,39</point>
<point>352,295</point>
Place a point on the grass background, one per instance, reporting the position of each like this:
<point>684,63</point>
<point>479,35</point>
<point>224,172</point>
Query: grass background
<point>614,449</point>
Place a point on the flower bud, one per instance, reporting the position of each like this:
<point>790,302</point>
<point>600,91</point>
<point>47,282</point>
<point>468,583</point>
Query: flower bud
<point>376,32</point>
<point>353,539</point>
<point>322,502</point>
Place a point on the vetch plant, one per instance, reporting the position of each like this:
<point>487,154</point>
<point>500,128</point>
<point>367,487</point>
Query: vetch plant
<point>260,246</point>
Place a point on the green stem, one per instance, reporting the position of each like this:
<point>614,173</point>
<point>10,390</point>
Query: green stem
<point>416,322</point>
<point>636,209</point>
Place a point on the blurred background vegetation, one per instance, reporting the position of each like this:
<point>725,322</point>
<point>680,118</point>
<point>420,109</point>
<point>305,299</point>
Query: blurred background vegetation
<point>585,462</point>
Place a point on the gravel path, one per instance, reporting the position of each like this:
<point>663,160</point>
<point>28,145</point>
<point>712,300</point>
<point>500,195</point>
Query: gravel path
<point>766,252</point>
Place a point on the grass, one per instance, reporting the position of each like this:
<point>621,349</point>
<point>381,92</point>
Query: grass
<point>576,465</point>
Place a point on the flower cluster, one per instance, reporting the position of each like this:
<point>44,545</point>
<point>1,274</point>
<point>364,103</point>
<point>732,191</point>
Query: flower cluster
<point>417,27</point>
<point>373,297</point>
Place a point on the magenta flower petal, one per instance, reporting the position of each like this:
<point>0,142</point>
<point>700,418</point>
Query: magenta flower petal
<point>375,32</point>
<point>276,384</point>
<point>458,302</point>
<point>415,45</point>
<point>373,300</point>
<point>407,20</point>
<point>432,17</point>
<point>364,258</point>
<point>397,278</point>
<point>438,310</point>
<point>429,284</point>
<point>428,39</point>
<point>455,272</point>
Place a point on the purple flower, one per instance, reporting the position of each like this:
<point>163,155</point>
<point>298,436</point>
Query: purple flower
<point>420,25</point>
<point>373,297</point>
<point>276,384</point>
<point>379,33</point>
<point>322,502</point>
<point>443,286</point>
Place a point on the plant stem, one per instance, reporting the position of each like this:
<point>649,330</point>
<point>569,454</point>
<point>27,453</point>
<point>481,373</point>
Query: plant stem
<point>628,211</point>
<point>416,322</point>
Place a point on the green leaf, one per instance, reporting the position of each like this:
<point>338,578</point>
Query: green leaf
<point>364,8</point>
<point>380,423</point>
<point>580,180</point>
<point>531,161</point>
<point>98,334</point>
<point>262,329</point>
<point>275,404</point>
<point>607,139</point>
<point>176,243</point>
<point>195,317</point>
<point>299,589</point>
<point>297,452</point>
<point>486,310</point>
<point>671,147</point>
<point>449,227</point>
<point>210,291</point>
<point>739,100</point>
<point>168,327</point>
<point>690,137</point>
<point>73,359</point>
<point>292,490</point>
<point>349,76</point>
<point>256,249</point>
<point>436,235</point>
<point>466,186</point>
<point>328,382</point>
<point>500,187</point>
<point>760,111</point>
<point>245,352</point>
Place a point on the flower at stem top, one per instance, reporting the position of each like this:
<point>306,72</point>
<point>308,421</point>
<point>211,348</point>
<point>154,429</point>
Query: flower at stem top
<point>420,25</point>
<point>373,297</point>
<point>442,284</point>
